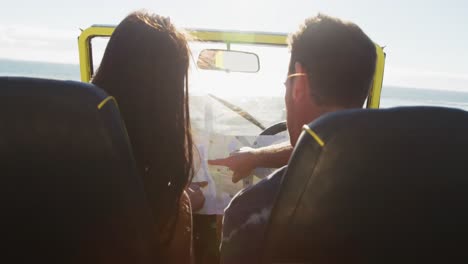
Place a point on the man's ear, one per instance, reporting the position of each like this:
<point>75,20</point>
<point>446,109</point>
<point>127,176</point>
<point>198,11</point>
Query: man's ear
<point>301,83</point>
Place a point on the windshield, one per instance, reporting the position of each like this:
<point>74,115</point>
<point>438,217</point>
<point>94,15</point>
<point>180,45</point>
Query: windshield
<point>259,95</point>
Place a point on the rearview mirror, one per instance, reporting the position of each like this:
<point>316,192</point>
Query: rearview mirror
<point>228,60</point>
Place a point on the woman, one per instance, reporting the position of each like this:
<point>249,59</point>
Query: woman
<point>145,67</point>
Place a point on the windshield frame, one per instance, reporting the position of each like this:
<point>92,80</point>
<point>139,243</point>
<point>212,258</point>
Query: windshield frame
<point>227,37</point>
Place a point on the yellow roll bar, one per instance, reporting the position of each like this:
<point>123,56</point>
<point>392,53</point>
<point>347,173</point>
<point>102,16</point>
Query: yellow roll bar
<point>84,49</point>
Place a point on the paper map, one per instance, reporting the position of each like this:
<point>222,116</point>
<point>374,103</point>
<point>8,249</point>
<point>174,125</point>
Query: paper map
<point>220,189</point>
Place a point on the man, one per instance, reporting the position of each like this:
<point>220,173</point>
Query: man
<point>331,68</point>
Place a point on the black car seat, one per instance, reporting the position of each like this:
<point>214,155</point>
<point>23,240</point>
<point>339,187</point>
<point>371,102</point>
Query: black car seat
<point>69,191</point>
<point>375,186</point>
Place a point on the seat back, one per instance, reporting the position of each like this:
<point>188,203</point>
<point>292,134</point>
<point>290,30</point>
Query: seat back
<point>375,186</point>
<point>69,191</point>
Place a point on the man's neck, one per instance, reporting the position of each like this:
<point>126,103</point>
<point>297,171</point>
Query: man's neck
<point>319,111</point>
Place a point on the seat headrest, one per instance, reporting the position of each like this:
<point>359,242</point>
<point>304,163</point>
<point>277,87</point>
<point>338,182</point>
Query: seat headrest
<point>373,186</point>
<point>69,189</point>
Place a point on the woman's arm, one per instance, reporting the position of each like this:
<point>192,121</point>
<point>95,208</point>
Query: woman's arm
<point>180,249</point>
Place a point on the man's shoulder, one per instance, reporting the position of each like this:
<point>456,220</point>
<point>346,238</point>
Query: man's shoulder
<point>246,217</point>
<point>260,194</point>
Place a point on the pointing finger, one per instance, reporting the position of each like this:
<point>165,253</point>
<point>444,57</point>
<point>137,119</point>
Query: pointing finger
<point>220,162</point>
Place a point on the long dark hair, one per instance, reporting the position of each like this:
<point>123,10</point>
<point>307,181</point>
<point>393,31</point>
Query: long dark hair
<point>145,67</point>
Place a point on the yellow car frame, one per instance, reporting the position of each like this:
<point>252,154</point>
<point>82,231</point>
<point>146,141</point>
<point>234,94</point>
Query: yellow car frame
<point>228,37</point>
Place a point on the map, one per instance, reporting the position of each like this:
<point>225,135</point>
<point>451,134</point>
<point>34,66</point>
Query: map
<point>221,189</point>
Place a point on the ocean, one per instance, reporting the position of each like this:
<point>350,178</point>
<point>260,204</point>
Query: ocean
<point>391,96</point>
<point>39,69</point>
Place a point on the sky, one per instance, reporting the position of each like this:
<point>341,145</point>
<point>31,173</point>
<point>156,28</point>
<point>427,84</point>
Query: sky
<point>425,41</point>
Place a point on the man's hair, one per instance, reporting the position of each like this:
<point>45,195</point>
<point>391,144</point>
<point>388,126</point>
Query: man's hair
<point>339,59</point>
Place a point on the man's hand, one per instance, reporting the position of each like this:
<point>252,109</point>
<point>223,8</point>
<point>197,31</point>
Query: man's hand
<point>197,199</point>
<point>242,163</point>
